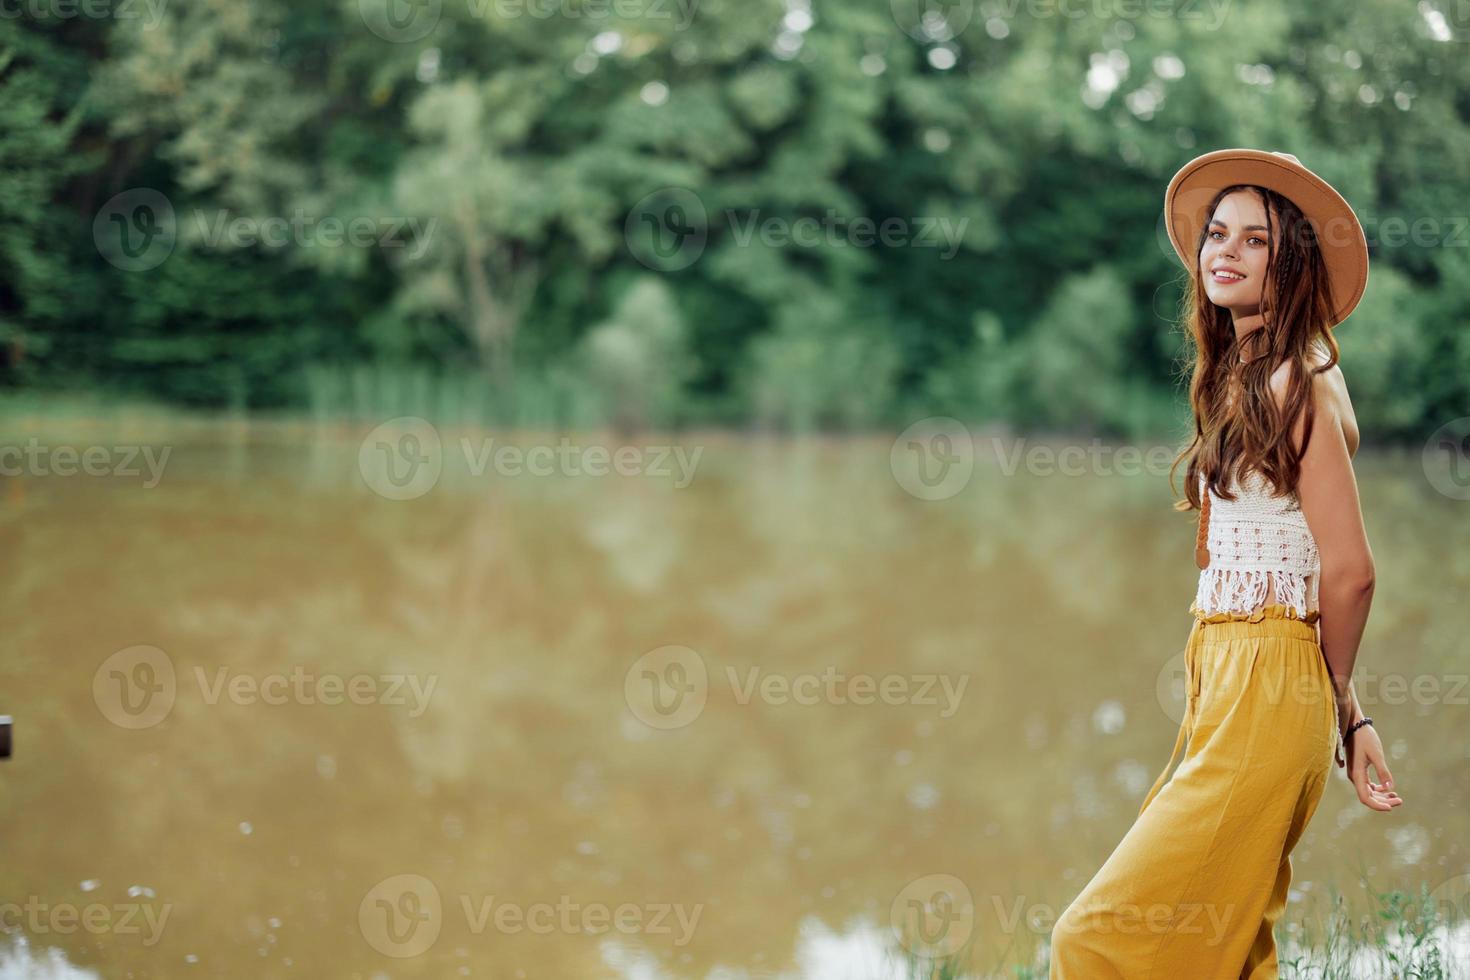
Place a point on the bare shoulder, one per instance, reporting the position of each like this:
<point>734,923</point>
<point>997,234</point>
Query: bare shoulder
<point>1330,391</point>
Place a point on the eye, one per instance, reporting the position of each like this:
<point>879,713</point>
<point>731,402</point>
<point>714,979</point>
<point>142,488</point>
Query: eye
<point>1257,239</point>
<point>1214,233</point>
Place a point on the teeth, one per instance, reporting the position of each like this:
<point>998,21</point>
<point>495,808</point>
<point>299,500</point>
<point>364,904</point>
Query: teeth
<point>1229,275</point>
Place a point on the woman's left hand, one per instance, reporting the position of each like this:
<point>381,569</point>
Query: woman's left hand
<point>1366,749</point>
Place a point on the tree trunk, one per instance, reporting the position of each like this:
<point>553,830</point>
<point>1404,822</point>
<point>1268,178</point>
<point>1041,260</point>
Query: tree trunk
<point>491,323</point>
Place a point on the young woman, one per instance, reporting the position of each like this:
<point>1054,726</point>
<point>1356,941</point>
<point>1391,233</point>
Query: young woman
<point>1195,888</point>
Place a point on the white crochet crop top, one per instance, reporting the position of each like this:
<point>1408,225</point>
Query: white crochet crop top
<point>1256,541</point>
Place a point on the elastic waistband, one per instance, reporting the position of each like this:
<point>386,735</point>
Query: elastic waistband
<point>1270,621</point>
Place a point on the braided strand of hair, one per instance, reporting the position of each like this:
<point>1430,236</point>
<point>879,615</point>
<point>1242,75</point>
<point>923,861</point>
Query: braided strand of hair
<point>1201,538</point>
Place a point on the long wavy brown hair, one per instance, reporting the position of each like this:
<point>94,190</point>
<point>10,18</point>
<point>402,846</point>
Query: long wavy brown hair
<point>1237,424</point>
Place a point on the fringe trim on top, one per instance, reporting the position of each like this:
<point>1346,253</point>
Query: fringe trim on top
<point>1245,590</point>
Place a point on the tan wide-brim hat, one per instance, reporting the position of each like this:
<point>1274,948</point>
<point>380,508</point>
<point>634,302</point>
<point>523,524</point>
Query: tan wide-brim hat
<point>1339,233</point>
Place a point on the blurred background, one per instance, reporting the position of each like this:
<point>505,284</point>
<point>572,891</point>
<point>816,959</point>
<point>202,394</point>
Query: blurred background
<point>690,476</point>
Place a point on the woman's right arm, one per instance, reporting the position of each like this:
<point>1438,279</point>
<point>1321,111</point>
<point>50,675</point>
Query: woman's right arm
<point>1328,492</point>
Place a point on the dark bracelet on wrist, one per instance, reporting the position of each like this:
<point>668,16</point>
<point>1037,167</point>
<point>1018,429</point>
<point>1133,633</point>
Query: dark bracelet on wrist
<point>1365,720</point>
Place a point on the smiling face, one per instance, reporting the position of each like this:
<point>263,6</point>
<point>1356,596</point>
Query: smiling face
<point>1233,259</point>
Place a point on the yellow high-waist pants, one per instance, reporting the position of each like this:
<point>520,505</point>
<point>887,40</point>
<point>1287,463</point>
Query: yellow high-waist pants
<point>1197,884</point>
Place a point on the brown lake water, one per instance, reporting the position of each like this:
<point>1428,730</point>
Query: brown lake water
<point>717,718</point>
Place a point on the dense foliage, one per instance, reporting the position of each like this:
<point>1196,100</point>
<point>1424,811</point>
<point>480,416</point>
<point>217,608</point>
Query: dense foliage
<point>662,212</point>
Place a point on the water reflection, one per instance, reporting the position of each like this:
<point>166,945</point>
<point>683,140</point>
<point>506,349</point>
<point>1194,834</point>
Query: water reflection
<point>20,961</point>
<point>490,625</point>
